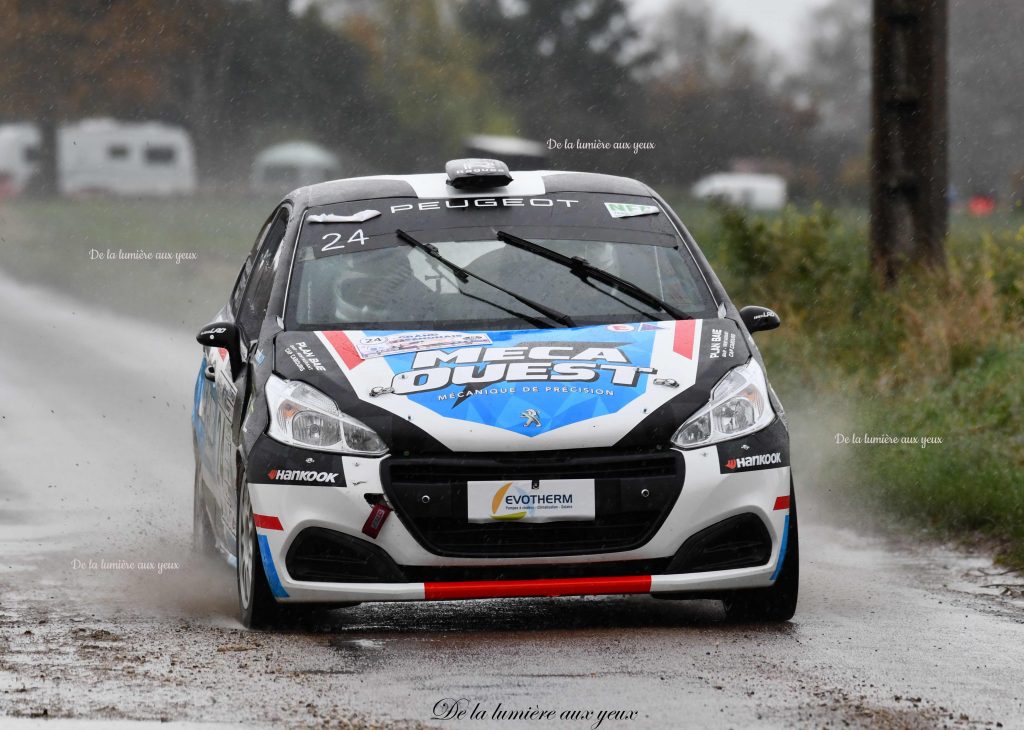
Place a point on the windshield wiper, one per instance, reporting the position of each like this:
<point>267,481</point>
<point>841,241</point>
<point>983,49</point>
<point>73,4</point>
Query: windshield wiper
<point>464,275</point>
<point>535,321</point>
<point>586,270</point>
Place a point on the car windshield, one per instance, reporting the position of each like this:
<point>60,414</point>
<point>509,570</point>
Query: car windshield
<point>376,281</point>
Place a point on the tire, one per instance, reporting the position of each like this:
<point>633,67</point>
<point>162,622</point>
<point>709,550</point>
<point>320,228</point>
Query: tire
<point>778,602</point>
<point>256,603</point>
<point>204,545</point>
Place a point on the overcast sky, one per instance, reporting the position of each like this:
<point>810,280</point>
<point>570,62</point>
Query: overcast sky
<point>779,22</point>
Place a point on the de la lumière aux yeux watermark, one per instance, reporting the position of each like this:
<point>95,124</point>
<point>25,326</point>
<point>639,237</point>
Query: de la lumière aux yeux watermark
<point>129,565</point>
<point>450,708</point>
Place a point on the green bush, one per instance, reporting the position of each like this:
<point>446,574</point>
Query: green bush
<point>941,354</point>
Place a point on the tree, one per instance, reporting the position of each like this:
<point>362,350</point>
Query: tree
<point>984,58</point>
<point>909,136</point>
<point>63,60</point>
<point>835,81</point>
<point>235,74</point>
<point>713,100</point>
<point>425,71</point>
<point>569,69</point>
<point>261,77</point>
<point>837,71</point>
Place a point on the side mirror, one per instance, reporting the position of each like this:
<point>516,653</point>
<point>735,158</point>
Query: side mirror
<point>759,319</point>
<point>225,335</point>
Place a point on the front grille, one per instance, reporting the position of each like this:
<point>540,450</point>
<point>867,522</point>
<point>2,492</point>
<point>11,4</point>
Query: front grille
<point>625,518</point>
<point>322,555</point>
<point>532,466</point>
<point>737,542</point>
<point>427,574</point>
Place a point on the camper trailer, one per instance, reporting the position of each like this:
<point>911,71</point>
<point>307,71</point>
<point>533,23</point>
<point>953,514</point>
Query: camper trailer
<point>291,165</point>
<point>743,189</point>
<point>125,158</point>
<point>19,157</point>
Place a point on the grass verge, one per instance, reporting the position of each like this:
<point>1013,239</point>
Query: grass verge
<point>931,368</point>
<point>53,243</point>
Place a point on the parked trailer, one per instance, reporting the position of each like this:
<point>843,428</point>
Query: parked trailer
<point>746,190</point>
<point>125,158</point>
<point>19,157</point>
<point>291,165</point>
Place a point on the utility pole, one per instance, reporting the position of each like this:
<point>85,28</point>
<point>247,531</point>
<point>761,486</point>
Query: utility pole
<point>910,135</point>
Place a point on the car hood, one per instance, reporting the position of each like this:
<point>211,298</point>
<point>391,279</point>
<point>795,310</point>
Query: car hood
<point>628,385</point>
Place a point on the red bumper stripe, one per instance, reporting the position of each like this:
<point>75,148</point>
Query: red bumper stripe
<point>782,502</point>
<point>545,587</point>
<point>267,522</point>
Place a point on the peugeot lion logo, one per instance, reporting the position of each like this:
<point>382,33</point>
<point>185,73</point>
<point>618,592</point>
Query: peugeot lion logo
<point>532,418</point>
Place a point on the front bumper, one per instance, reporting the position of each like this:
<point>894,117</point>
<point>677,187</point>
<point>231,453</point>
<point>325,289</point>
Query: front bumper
<point>707,498</point>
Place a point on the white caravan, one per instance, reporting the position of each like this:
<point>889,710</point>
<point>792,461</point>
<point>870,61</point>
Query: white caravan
<point>291,165</point>
<point>743,189</point>
<point>125,158</point>
<point>19,156</point>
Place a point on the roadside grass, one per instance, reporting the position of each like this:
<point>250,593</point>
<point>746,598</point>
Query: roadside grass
<point>940,355</point>
<point>972,485</point>
<point>50,242</point>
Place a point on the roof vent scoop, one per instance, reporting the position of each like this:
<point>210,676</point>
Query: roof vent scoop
<point>474,173</point>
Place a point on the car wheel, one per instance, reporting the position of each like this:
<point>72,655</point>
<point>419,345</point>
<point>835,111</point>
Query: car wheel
<point>255,601</point>
<point>777,603</point>
<point>203,542</point>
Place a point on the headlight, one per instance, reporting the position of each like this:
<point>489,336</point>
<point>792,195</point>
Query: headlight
<point>300,415</point>
<point>739,405</point>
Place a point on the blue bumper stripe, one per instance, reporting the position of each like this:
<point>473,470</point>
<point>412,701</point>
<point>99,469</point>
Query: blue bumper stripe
<point>782,549</point>
<point>197,399</point>
<point>268,567</point>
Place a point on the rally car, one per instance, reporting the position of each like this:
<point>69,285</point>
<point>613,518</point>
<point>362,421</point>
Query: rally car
<point>481,384</point>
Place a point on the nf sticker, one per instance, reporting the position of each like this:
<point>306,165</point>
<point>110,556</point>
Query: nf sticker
<point>630,210</point>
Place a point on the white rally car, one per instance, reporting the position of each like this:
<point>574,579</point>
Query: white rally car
<point>484,384</point>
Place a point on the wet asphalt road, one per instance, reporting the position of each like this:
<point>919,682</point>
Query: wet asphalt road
<point>104,616</point>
